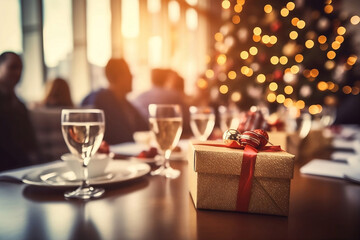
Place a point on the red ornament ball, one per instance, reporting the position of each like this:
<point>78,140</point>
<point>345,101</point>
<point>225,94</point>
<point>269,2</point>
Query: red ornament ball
<point>263,136</point>
<point>250,138</point>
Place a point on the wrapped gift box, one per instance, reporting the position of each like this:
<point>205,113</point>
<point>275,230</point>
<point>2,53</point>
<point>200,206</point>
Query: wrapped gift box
<point>214,173</point>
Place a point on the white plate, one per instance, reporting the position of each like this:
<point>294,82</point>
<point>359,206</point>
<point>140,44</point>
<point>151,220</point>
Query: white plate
<point>60,175</point>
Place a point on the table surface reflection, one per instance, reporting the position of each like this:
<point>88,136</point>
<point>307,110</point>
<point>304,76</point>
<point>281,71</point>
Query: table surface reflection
<point>159,208</point>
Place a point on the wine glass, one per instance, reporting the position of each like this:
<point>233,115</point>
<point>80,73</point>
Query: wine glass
<point>229,117</point>
<point>166,127</point>
<point>202,121</point>
<point>83,131</point>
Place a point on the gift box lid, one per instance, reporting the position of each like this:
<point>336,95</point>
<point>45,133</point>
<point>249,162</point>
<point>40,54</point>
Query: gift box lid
<point>212,157</point>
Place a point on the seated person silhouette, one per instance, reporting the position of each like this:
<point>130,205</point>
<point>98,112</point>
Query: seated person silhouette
<point>18,146</point>
<point>121,118</point>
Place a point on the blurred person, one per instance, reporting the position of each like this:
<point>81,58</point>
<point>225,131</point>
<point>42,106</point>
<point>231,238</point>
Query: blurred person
<point>57,94</point>
<point>121,118</point>
<point>18,145</point>
<point>167,88</point>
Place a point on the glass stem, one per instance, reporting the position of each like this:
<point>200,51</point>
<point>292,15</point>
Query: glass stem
<point>166,158</point>
<point>85,182</point>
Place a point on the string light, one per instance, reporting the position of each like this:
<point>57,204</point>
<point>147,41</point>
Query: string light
<point>288,90</point>
<point>299,58</point>
<point>339,39</point>
<point>283,60</point>
<point>335,45</point>
<point>293,35</point>
<point>253,51</point>
<point>309,43</point>
<point>223,89</point>
<point>257,31</point>
<point>265,39</point>
<point>347,89</point>
<point>294,21</point>
<point>301,24</point>
<point>273,86</point>
<point>322,86</point>
<point>328,9</point>
<point>271,97</point>
<point>236,96</point>
<point>273,39</point>
<point>202,83</point>
<point>274,60</point>
<point>244,55</point>
<point>236,19</point>
<point>351,60</point>
<point>288,102</point>
<point>221,60</point>
<point>225,4</point>
<point>331,55</point>
<point>238,8</point>
<point>268,8</point>
<point>290,6</point>
<point>280,98</point>
<point>300,104</point>
<point>209,73</point>
<point>355,20</point>
<point>355,90</point>
<point>219,37</point>
<point>284,12</point>
<point>341,30</point>
<point>232,75</point>
<point>260,78</point>
<point>322,39</point>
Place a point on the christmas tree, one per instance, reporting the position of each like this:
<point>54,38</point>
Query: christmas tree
<point>289,53</point>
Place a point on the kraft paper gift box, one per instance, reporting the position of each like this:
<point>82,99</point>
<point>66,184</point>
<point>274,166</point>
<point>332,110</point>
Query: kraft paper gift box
<point>214,173</point>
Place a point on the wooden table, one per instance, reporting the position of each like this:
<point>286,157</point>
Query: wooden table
<point>159,208</point>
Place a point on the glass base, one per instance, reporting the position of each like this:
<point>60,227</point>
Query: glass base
<point>166,172</point>
<point>85,193</point>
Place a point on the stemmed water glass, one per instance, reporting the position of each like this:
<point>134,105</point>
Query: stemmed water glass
<point>166,126</point>
<point>229,117</point>
<point>83,131</point>
<point>202,121</point>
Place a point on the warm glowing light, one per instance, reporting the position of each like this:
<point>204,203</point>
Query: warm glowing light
<point>257,31</point>
<point>341,30</point>
<point>299,58</point>
<point>294,21</point>
<point>256,38</point>
<point>284,12</point>
<point>329,65</point>
<point>313,109</point>
<point>260,78</point>
<point>331,55</point>
<point>293,35</point>
<point>309,43</point>
<point>238,8</point>
<point>253,51</point>
<point>57,30</point>
<point>339,39</point>
<point>232,75</point>
<point>274,60</point>
<point>249,72</point>
<point>191,18</point>
<point>273,39</point>
<point>288,90</point>
<point>236,19</point>
<point>322,39</point>
<point>330,86</point>
<point>351,60</point>
<point>335,45</point>
<point>280,98</point>
<point>265,39</point>
<point>294,69</point>
<point>355,20</point>
<point>236,96</point>
<point>209,73</point>
<point>314,72</point>
<point>300,24</point>
<point>202,83</point>
<point>273,86</point>
<point>322,86</point>
<point>219,37</point>
<point>244,70</point>
<point>155,51</point>
<point>223,89</point>
<point>271,97</point>
<point>336,88</point>
<point>174,11</point>
<point>283,60</point>
<point>306,73</point>
<point>192,2</point>
<point>347,89</point>
<point>244,55</point>
<point>221,59</point>
<point>290,6</point>
<point>328,9</point>
<point>225,4</point>
<point>323,47</point>
<point>300,104</point>
<point>355,90</point>
<point>154,6</point>
<point>288,102</point>
<point>130,17</point>
<point>268,8</point>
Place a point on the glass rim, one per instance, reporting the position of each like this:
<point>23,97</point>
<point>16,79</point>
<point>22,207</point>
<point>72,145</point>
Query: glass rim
<point>82,110</point>
<point>164,104</point>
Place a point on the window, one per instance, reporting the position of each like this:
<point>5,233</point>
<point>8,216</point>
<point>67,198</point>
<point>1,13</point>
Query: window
<point>10,26</point>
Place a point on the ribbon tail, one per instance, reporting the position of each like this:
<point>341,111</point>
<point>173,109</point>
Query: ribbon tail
<point>245,180</point>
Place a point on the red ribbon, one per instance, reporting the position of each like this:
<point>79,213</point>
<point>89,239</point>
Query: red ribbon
<point>247,172</point>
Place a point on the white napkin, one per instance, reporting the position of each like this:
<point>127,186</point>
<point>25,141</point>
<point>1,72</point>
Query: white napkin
<point>325,168</point>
